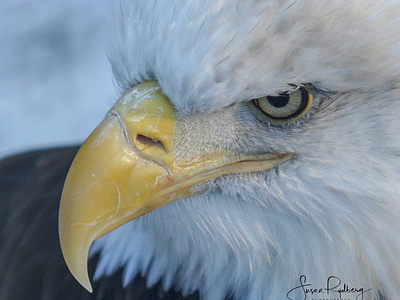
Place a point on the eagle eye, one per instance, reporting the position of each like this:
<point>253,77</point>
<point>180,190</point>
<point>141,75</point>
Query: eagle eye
<point>286,106</point>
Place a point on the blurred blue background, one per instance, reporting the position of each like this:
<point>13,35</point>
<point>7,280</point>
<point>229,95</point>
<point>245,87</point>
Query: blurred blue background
<point>55,80</point>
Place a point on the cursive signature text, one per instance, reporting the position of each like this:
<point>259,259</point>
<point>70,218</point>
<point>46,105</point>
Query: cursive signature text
<point>333,287</point>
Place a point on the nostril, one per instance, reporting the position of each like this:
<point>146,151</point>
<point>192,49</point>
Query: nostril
<point>149,142</point>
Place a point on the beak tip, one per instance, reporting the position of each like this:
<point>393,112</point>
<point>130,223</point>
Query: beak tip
<point>87,286</point>
<point>83,279</point>
<point>76,261</point>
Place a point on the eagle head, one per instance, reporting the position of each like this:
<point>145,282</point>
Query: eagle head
<point>255,144</point>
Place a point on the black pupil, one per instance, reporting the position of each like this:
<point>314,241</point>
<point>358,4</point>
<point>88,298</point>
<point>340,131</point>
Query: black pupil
<point>279,101</point>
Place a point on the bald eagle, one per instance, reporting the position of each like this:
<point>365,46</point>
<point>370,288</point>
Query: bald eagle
<point>253,154</point>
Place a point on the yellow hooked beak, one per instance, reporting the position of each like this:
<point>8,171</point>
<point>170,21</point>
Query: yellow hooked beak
<point>127,168</point>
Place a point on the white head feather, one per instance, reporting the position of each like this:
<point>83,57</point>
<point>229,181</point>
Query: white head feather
<point>334,210</point>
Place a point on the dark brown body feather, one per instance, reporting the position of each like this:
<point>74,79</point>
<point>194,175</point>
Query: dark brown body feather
<point>31,263</point>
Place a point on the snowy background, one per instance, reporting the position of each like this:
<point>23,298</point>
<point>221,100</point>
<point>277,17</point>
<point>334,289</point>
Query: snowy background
<point>55,80</point>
